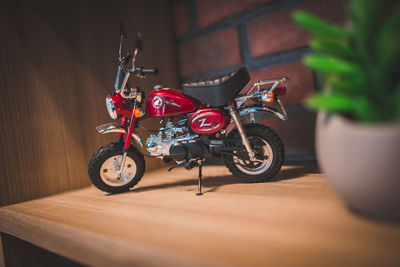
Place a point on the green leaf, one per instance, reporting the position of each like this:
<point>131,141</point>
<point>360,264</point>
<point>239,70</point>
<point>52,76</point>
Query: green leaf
<point>387,50</point>
<point>330,64</point>
<point>397,105</point>
<point>317,26</point>
<point>358,108</point>
<point>360,63</point>
<point>364,14</point>
<point>363,110</point>
<point>333,47</point>
<point>348,84</point>
<point>330,102</point>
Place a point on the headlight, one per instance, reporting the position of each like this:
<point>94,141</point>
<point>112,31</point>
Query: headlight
<point>111,108</point>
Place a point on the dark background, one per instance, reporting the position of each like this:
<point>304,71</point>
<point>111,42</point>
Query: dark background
<point>57,68</point>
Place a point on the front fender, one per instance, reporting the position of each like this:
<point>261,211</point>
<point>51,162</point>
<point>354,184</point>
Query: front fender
<point>116,128</point>
<point>110,128</point>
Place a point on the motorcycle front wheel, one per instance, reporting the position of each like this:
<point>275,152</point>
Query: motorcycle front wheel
<point>269,150</point>
<point>105,163</point>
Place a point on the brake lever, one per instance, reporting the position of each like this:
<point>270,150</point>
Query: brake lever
<point>127,58</point>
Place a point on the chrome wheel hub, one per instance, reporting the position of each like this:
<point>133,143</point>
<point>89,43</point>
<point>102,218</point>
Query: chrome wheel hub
<point>259,166</point>
<point>109,171</point>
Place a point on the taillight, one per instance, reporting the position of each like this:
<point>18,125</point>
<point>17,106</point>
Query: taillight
<point>280,90</point>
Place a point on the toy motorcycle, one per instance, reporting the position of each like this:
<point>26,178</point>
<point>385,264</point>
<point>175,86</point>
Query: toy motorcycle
<point>193,126</point>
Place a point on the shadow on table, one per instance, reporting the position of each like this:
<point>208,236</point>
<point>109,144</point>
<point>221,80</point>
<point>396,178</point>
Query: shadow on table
<point>212,183</point>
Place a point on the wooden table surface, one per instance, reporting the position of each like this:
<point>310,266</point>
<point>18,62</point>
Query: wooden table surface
<point>294,220</point>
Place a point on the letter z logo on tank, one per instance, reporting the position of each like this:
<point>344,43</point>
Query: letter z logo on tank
<point>157,102</point>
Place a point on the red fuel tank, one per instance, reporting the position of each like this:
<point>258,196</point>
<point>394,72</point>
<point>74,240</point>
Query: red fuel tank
<point>165,102</point>
<point>207,120</point>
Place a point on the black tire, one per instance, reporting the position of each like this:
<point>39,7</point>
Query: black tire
<point>106,152</point>
<point>272,138</point>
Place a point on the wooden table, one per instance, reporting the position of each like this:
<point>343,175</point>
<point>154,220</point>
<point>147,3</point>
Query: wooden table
<point>294,220</point>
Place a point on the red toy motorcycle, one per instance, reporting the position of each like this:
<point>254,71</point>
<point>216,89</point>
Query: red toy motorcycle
<point>193,127</point>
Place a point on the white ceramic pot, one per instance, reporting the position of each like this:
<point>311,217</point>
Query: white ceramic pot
<point>362,163</point>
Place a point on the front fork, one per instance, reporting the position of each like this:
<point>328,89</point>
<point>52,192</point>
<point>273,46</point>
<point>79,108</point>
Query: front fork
<point>127,143</point>
<point>121,135</point>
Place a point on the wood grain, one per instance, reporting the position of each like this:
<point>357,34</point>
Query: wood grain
<point>2,264</point>
<point>56,70</point>
<point>294,220</point>
<point>19,253</point>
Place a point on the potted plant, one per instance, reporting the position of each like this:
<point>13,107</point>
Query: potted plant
<point>358,125</point>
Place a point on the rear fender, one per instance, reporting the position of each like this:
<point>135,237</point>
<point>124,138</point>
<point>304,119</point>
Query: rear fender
<point>251,110</point>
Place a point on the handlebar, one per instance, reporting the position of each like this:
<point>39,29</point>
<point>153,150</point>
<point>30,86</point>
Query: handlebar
<point>142,71</point>
<point>122,60</point>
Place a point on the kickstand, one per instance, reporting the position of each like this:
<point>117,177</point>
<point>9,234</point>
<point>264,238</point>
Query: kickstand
<point>200,162</point>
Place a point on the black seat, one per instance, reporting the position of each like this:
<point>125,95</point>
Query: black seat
<point>218,91</point>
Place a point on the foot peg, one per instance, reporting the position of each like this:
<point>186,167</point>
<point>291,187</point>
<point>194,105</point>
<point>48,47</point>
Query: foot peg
<point>175,166</point>
<point>187,164</point>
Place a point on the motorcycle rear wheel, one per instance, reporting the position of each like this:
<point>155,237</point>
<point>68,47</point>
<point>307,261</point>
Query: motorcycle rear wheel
<point>272,151</point>
<point>105,163</point>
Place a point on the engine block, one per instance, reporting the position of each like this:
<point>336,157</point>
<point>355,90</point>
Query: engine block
<point>159,145</point>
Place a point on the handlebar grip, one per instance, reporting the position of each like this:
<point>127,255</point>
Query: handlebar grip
<point>150,71</point>
<point>143,71</point>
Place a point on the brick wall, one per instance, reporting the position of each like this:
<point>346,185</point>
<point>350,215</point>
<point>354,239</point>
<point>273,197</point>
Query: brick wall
<point>218,36</point>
